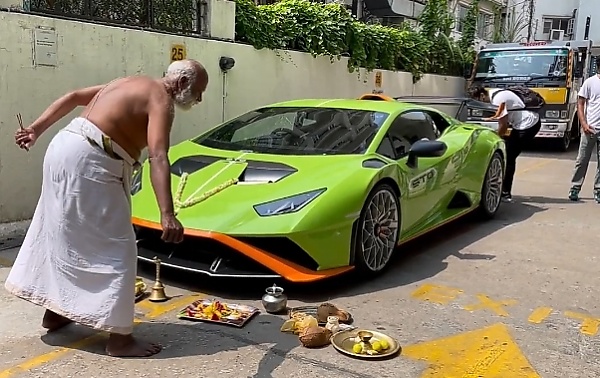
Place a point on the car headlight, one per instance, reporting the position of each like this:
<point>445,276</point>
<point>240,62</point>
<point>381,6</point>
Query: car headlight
<point>475,112</point>
<point>552,113</point>
<point>136,181</point>
<point>287,205</point>
<point>564,114</point>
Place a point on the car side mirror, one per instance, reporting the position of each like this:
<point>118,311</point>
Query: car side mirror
<point>425,149</point>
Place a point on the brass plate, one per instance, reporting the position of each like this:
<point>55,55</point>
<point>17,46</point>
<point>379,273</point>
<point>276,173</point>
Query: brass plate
<point>142,292</point>
<point>344,341</point>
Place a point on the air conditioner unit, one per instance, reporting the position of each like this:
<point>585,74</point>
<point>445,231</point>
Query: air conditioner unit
<point>557,35</point>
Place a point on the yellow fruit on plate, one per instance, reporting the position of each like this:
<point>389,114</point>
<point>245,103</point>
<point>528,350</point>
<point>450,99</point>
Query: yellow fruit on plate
<point>376,345</point>
<point>384,344</point>
<point>357,348</point>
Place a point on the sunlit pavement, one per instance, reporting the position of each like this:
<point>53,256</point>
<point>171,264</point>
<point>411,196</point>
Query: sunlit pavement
<point>513,297</point>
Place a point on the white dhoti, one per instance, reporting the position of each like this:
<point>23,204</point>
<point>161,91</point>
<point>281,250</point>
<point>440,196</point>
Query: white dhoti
<point>79,256</point>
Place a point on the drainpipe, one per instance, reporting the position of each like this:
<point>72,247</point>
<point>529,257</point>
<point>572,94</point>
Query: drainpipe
<point>224,95</point>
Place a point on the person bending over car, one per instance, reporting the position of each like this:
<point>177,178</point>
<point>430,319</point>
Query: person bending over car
<point>525,124</point>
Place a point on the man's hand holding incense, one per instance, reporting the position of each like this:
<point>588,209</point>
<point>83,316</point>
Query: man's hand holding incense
<point>25,137</point>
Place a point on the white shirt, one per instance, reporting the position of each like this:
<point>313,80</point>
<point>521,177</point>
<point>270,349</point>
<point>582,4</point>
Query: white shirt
<point>590,90</point>
<point>518,120</point>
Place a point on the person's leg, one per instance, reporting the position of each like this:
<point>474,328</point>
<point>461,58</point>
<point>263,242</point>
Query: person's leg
<point>128,346</point>
<point>52,321</point>
<point>513,150</point>
<point>514,146</point>
<point>586,147</point>
<point>597,178</point>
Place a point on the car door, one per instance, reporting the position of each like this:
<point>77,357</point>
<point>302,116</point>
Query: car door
<point>421,195</point>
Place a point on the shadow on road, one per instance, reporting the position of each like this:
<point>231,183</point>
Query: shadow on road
<point>426,257</point>
<point>551,200</point>
<point>195,339</point>
<point>415,261</point>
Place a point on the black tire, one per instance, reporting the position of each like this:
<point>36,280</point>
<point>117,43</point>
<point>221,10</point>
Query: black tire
<point>358,251</point>
<point>576,136</point>
<point>563,143</point>
<point>487,210</point>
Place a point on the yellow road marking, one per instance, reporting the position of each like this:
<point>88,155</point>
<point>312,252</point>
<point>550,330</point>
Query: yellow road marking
<point>533,167</point>
<point>428,292</point>
<point>436,293</point>
<point>589,324</point>
<point>486,303</point>
<point>173,304</point>
<point>489,352</point>
<point>49,357</point>
<point>37,361</point>
<point>539,315</point>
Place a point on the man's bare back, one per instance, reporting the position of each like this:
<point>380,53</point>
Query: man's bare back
<point>121,110</point>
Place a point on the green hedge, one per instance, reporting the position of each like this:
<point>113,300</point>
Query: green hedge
<point>330,30</point>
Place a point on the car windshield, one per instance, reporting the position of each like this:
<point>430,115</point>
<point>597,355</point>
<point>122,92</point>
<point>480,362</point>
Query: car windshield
<point>297,131</point>
<point>522,64</point>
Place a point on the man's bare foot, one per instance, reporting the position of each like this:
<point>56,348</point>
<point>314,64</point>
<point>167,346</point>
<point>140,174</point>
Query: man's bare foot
<point>128,346</point>
<point>52,321</point>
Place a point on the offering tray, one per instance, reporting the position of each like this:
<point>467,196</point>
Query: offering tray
<point>213,311</point>
<point>345,342</point>
<point>312,311</point>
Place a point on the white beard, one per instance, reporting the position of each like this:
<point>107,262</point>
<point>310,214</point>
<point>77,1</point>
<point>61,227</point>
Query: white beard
<point>185,100</point>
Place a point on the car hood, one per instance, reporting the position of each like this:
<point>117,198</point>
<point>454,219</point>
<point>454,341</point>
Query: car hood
<point>230,183</point>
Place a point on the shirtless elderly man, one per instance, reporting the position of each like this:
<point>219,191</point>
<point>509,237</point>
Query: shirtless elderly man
<point>79,257</point>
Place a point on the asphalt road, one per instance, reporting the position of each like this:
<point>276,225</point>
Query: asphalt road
<point>510,298</point>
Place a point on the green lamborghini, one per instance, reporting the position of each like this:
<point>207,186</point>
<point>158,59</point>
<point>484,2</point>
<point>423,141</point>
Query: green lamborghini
<point>308,189</point>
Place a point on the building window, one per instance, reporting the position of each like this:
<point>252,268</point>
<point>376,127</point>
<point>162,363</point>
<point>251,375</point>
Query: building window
<point>484,25</point>
<point>460,17</point>
<point>556,23</point>
<point>392,20</point>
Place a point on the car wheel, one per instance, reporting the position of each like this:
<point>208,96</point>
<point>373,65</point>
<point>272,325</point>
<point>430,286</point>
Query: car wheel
<point>491,191</point>
<point>564,143</point>
<point>378,230</point>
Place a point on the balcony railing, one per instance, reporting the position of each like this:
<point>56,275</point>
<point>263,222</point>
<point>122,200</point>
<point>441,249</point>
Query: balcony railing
<point>181,16</point>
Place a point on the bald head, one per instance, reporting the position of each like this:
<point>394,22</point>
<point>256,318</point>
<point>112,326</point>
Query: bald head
<point>187,67</point>
<point>189,80</point>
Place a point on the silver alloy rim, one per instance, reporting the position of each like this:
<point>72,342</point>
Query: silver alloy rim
<point>494,185</point>
<point>380,230</point>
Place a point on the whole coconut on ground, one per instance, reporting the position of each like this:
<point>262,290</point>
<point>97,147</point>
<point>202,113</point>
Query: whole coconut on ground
<point>314,337</point>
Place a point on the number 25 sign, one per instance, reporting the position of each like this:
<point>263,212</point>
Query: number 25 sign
<point>178,52</point>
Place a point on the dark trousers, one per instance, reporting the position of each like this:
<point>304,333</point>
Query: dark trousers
<point>514,146</point>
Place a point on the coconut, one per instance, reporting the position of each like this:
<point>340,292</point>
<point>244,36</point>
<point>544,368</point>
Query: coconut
<point>306,322</point>
<point>314,337</point>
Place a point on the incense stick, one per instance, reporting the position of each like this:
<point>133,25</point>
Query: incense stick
<point>20,120</point>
